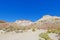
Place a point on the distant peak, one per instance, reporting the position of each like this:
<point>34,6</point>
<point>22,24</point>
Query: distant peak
<point>23,22</point>
<point>2,21</point>
<point>48,17</point>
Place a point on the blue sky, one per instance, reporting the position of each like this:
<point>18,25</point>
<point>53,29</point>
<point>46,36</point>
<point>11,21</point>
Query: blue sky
<point>11,10</point>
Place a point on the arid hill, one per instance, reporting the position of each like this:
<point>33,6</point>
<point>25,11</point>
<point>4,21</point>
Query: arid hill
<point>46,22</point>
<point>1,21</point>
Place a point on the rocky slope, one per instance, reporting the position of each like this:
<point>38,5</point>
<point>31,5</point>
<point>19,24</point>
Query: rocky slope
<point>45,22</point>
<point>48,22</point>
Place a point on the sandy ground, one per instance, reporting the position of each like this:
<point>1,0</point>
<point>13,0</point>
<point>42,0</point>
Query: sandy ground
<point>29,35</point>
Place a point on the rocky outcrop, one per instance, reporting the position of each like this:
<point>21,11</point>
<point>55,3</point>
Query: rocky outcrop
<point>48,22</point>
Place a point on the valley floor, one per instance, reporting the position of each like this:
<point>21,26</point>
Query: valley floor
<point>29,35</point>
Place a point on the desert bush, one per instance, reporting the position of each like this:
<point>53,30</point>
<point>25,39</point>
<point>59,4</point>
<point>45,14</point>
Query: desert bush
<point>53,31</point>
<point>33,30</point>
<point>45,36</point>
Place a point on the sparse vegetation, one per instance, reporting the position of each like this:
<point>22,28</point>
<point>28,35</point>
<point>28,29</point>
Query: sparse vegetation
<point>45,36</point>
<point>53,31</point>
<point>33,30</point>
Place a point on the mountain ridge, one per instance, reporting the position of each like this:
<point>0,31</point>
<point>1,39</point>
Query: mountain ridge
<point>47,21</point>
